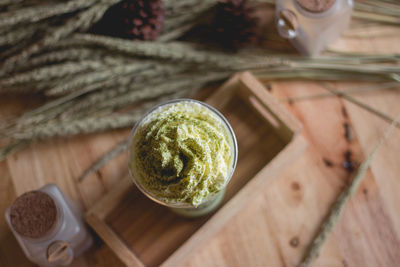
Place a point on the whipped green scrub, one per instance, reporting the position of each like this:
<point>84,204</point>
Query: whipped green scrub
<point>182,152</point>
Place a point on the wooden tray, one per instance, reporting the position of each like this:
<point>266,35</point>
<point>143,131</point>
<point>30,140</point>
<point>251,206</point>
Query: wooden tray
<point>143,233</point>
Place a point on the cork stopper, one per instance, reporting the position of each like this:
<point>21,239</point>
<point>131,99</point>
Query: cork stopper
<point>33,214</point>
<point>316,6</point>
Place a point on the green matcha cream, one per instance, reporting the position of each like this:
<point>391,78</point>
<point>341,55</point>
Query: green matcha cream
<point>182,155</point>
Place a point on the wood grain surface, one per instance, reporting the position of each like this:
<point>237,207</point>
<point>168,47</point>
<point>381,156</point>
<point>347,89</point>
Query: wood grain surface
<point>275,228</point>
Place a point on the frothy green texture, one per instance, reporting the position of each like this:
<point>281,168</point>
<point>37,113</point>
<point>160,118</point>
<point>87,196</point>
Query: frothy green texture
<point>182,153</point>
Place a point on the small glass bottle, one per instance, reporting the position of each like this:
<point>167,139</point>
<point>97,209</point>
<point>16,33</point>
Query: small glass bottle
<point>312,25</point>
<point>48,226</point>
<point>185,209</point>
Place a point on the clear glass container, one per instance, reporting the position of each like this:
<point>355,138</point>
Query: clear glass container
<point>67,239</point>
<point>311,32</point>
<point>185,209</point>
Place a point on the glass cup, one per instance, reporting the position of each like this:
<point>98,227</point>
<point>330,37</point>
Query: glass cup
<point>182,208</point>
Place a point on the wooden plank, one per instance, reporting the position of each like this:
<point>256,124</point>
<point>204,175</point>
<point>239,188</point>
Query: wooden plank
<point>108,203</point>
<point>114,242</point>
<point>355,240</point>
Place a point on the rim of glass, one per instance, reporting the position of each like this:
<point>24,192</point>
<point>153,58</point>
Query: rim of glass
<point>169,102</point>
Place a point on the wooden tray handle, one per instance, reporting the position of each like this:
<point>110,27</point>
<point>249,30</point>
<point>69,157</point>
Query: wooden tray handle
<point>258,97</point>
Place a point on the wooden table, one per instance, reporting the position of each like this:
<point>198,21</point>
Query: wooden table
<point>276,227</point>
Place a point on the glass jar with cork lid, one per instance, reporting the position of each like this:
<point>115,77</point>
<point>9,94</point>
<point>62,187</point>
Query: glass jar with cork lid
<point>311,25</point>
<point>48,227</point>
